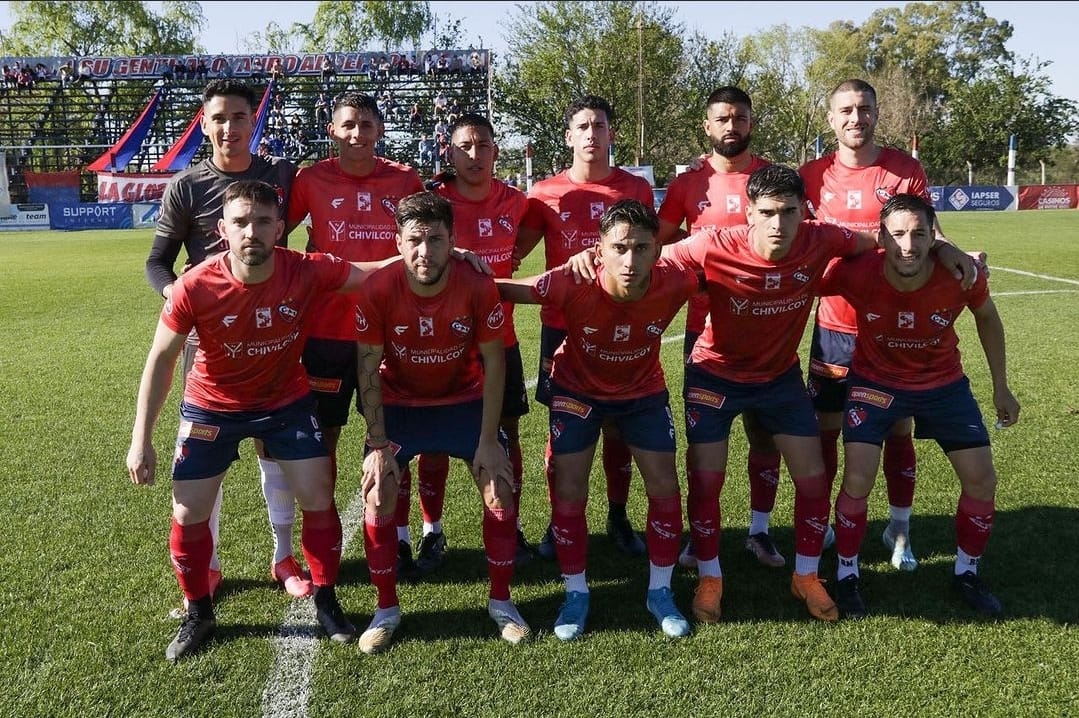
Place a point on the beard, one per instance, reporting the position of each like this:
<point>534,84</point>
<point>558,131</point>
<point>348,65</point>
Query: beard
<point>731,149</point>
<point>254,256</point>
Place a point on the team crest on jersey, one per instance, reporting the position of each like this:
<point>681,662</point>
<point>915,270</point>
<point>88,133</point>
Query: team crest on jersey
<point>280,192</point>
<point>705,398</point>
<point>390,205</point>
<point>739,305</point>
<point>734,203</point>
<point>886,193</point>
<point>363,201</point>
<point>856,416</point>
<point>506,223</point>
<point>569,405</point>
<point>484,227</point>
<point>461,326</point>
<point>543,285</point>
<point>772,280</point>
<point>621,333</point>
<point>263,318</point>
<point>854,199</point>
<point>801,275</point>
<point>233,349</point>
<point>287,311</point>
<point>361,320</point>
<point>875,397</point>
<point>654,329</point>
<point>941,318</point>
<point>905,320</point>
<point>596,210</point>
<point>168,306</point>
<point>496,318</point>
<point>427,326</point>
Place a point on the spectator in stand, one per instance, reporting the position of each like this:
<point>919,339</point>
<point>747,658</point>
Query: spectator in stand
<point>86,72</point>
<point>440,104</point>
<point>26,78</point>
<point>415,115</point>
<point>430,62</point>
<point>41,72</point>
<point>403,66</point>
<point>442,66</point>
<point>322,109</point>
<point>441,127</point>
<point>426,151</point>
<point>329,69</point>
<point>258,74</point>
<point>475,63</point>
<point>383,67</point>
<point>277,70</point>
<point>201,70</point>
<point>457,65</point>
<point>65,72</point>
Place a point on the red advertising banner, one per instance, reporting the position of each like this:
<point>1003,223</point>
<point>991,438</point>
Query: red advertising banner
<point>1049,196</point>
<point>131,187</point>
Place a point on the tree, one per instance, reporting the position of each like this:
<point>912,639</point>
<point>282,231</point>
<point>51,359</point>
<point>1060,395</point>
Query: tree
<point>345,27</point>
<point>116,27</point>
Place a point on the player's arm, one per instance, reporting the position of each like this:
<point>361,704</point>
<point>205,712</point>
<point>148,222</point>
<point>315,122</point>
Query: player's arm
<point>491,458</point>
<point>153,390</point>
<point>162,258</point>
<point>669,232</point>
<point>991,335</point>
<point>518,291</point>
<point>964,266</point>
<point>380,470</point>
<point>527,239</point>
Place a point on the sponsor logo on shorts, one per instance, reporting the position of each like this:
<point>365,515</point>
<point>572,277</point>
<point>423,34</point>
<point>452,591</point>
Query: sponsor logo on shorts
<point>826,370</point>
<point>323,384</point>
<point>870,396</point>
<point>812,388</point>
<point>705,397</point>
<point>496,318</point>
<point>202,432</point>
<point>557,427</point>
<point>461,326</point>
<point>692,417</point>
<point>569,405</point>
<point>856,416</point>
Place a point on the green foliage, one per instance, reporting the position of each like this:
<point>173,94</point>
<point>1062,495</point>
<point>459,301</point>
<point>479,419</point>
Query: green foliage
<point>351,27</point>
<point>96,27</point>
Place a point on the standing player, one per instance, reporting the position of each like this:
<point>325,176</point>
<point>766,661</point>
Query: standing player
<point>906,363</point>
<point>352,199</point>
<point>486,215</point>
<point>564,211</point>
<point>608,370</point>
<point>249,305</point>
<point>424,326</point>
<point>713,197</point>
<point>760,282</point>
<point>848,187</point>
<point>190,211</point>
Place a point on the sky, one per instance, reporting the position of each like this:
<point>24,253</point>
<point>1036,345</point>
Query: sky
<point>1043,30</point>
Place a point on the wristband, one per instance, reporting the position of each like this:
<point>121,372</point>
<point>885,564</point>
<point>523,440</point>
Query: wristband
<point>376,446</point>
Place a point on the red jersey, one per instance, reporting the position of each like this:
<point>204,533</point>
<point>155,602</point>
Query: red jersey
<point>488,227</point>
<point>250,335</point>
<point>567,213</point>
<point>611,351</point>
<point>852,197</point>
<point>707,199</point>
<point>430,344</point>
<point>905,340</point>
<point>759,308</point>
<point>352,218</point>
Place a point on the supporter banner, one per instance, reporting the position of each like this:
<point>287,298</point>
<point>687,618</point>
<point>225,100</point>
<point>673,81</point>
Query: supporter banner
<point>5,194</point>
<point>966,198</point>
<point>119,155</point>
<point>131,187</point>
<point>90,215</point>
<point>261,115</point>
<point>144,214</point>
<point>154,66</point>
<point>26,216</point>
<point>1049,196</point>
<point>179,155</point>
<point>46,187</point>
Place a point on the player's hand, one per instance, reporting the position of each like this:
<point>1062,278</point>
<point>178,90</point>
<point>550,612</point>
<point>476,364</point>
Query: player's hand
<point>493,464</point>
<point>1007,407</point>
<point>142,464</point>
<point>981,260</point>
<point>582,266</point>
<point>466,255</point>
<point>381,475</point>
<point>515,262</point>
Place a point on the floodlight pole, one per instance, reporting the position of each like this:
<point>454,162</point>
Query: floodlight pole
<point>640,90</point>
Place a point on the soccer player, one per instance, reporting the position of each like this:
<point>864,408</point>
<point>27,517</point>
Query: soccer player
<point>848,187</point>
<point>424,326</point>
<point>608,370</point>
<point>248,305</point>
<point>351,199</point>
<point>564,211</point>
<point>191,209</point>
<point>906,364</point>
<point>713,196</point>
<point>760,281</point>
<point>486,216</point>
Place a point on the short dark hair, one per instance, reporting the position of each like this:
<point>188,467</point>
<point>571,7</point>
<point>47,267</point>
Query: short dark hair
<point>731,95</point>
<point>254,191</point>
<point>359,101</point>
<point>589,102</point>
<point>227,87</point>
<point>905,202</point>
<point>775,181</point>
<point>470,119</point>
<point>853,85</point>
<point>426,207</point>
<point>632,212</point>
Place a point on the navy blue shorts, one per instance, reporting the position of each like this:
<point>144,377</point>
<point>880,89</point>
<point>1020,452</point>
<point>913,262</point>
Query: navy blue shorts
<point>331,372</point>
<point>550,340</point>
<point>576,420</point>
<point>949,414</point>
<point>208,441</point>
<point>452,429</point>
<point>515,396</point>
<point>781,405</point>
<point>829,368</point>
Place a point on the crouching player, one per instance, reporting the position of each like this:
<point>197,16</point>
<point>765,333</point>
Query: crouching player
<point>423,327</point>
<point>906,364</point>
<point>249,306</point>
<point>608,369</point>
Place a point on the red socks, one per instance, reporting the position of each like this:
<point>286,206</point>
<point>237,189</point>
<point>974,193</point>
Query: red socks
<point>664,531</point>
<point>190,548</point>
<point>571,536</point>
<point>320,538</point>
<point>618,468</point>
<point>433,471</point>
<point>900,466</point>
<point>500,543</point>
<point>763,480</point>
<point>851,518</point>
<point>380,545</point>
<point>974,524</point>
<point>702,506</point>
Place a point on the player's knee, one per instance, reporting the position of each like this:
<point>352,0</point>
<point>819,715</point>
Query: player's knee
<point>981,485</point>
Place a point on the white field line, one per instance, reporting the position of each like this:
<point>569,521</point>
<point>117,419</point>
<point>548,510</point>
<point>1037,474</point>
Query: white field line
<point>296,645</point>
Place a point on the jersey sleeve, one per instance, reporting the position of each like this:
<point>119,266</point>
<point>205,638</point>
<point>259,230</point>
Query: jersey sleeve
<point>979,293</point>
<point>673,208</point>
<point>841,241</point>
<point>332,272</point>
<point>690,251</point>
<point>549,290</point>
<point>370,327</point>
<point>298,206</point>
<point>535,217</point>
<point>173,225</point>
<point>177,313</point>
